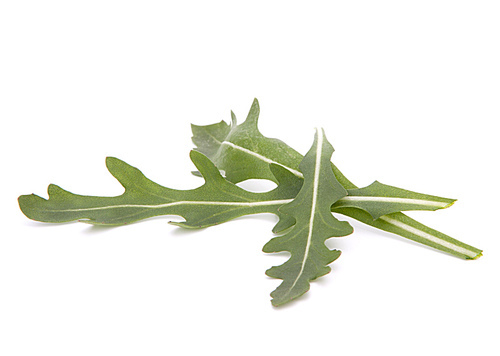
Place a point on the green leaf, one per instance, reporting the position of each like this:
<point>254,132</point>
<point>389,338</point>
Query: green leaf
<point>245,153</point>
<point>380,199</point>
<point>378,205</point>
<point>403,225</point>
<point>314,224</point>
<point>209,138</point>
<point>216,201</point>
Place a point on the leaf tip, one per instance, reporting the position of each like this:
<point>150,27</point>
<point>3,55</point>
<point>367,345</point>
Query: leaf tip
<point>453,201</point>
<point>206,167</point>
<point>234,121</point>
<point>29,203</point>
<point>24,200</point>
<point>253,114</point>
<point>111,164</point>
<point>479,254</point>
<point>111,160</point>
<point>53,189</point>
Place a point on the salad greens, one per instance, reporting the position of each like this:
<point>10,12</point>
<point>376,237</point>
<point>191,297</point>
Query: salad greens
<point>314,224</point>
<point>244,153</point>
<point>216,201</point>
<point>309,188</point>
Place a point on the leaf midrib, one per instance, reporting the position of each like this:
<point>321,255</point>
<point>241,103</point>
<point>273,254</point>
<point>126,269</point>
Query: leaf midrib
<point>262,158</point>
<point>159,206</point>
<point>317,168</point>
<point>396,200</point>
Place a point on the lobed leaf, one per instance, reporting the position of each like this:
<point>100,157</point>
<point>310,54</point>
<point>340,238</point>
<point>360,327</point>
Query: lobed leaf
<point>245,153</point>
<point>309,189</point>
<point>314,224</point>
<point>216,201</point>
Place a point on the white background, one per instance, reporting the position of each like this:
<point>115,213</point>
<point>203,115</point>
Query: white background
<point>407,92</point>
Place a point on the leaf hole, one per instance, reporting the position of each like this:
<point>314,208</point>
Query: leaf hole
<point>257,185</point>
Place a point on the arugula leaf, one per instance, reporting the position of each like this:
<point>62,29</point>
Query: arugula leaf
<point>380,199</point>
<point>216,201</point>
<point>314,225</point>
<point>309,189</point>
<point>401,224</point>
<point>209,138</point>
<point>245,153</point>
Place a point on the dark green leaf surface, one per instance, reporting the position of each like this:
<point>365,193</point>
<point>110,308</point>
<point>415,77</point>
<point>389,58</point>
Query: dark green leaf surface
<point>314,224</point>
<point>216,201</point>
